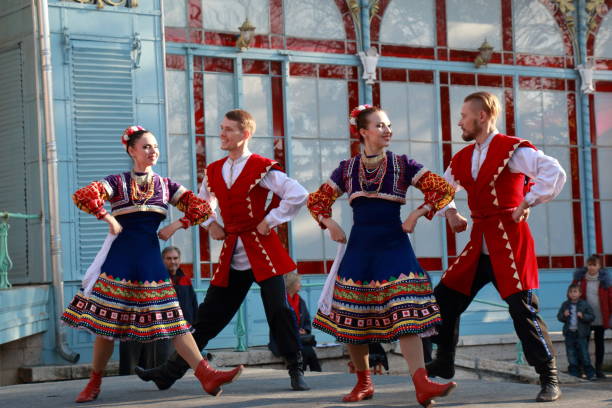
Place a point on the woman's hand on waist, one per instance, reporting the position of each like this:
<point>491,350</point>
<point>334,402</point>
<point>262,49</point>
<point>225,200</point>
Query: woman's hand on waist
<point>114,227</point>
<point>335,231</point>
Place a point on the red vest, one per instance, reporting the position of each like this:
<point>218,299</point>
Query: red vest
<point>492,197</point>
<point>243,207</point>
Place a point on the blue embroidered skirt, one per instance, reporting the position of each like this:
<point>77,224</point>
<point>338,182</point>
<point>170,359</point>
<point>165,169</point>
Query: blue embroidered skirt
<point>133,298</point>
<point>381,292</point>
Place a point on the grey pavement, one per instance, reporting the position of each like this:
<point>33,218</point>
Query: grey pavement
<point>258,387</point>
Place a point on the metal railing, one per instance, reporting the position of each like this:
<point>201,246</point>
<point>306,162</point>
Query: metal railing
<point>5,260</point>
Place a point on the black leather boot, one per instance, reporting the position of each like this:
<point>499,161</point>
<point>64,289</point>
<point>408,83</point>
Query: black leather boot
<point>442,366</point>
<point>295,366</point>
<point>549,382</point>
<point>165,375</point>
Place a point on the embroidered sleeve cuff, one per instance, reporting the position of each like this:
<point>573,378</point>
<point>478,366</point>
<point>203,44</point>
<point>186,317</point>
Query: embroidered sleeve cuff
<point>196,210</point>
<point>91,199</point>
<point>320,203</point>
<point>438,192</point>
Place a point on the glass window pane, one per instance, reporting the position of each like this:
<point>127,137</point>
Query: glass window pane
<point>606,225</point>
<point>179,165</point>
<point>604,170</point>
<point>538,223</point>
<point>554,122</point>
<point>308,236</point>
<point>301,105</point>
<point>470,22</point>
<point>535,29</point>
<point>263,146</point>
<point>394,100</point>
<point>427,155</point>
<point>332,153</point>
<point>333,109</point>
<point>176,92</point>
<point>563,156</point>
<point>175,14</point>
<point>409,22</point>
<point>561,233</point>
<point>421,112</point>
<point>218,99</point>
<point>305,165</point>
<point>228,15</point>
<point>313,19</point>
<point>603,40</point>
<point>603,118</point>
<point>530,116</point>
<point>258,101</point>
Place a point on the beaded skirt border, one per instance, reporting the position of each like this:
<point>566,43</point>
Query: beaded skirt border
<point>126,310</point>
<point>381,312</point>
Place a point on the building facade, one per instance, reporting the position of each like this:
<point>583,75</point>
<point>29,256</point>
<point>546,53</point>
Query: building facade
<point>175,68</point>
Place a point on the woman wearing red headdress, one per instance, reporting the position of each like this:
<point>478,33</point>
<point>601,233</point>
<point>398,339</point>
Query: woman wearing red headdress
<point>127,293</point>
<point>380,294</point>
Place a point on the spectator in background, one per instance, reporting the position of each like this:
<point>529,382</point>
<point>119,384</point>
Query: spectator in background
<point>293,284</point>
<point>149,355</point>
<point>577,315</point>
<point>596,288</point>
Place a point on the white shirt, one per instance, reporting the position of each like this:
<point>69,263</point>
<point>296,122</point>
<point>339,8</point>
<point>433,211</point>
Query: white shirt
<point>292,194</point>
<point>545,171</point>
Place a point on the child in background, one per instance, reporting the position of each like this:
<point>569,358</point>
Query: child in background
<point>596,287</point>
<point>577,315</point>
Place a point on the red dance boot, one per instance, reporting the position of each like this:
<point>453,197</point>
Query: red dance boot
<point>92,389</point>
<point>212,379</point>
<point>363,390</point>
<point>427,390</point>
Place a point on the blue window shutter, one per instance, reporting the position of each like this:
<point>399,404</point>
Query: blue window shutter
<point>13,181</point>
<point>103,106</point>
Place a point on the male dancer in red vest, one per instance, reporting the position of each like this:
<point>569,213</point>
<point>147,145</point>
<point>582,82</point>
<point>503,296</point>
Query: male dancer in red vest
<point>239,185</point>
<point>495,172</point>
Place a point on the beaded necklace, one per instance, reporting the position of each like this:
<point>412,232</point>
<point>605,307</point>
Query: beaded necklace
<point>142,194</point>
<point>368,178</point>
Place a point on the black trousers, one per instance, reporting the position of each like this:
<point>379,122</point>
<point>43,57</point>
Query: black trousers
<point>146,355</point>
<point>598,336</point>
<point>221,304</point>
<point>523,307</point>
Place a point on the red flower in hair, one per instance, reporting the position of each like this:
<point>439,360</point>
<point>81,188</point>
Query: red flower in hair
<point>129,131</point>
<point>353,116</point>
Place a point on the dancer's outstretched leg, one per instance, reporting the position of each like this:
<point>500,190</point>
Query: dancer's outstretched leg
<point>426,390</point>
<point>210,378</point>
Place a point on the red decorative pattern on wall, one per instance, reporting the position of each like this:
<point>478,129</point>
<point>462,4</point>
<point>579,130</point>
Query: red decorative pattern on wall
<point>174,61</point>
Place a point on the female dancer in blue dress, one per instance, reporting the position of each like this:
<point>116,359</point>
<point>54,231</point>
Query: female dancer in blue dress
<point>131,296</point>
<point>381,293</point>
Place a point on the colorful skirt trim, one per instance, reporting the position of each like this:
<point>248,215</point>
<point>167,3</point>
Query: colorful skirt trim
<point>126,310</point>
<point>381,312</point>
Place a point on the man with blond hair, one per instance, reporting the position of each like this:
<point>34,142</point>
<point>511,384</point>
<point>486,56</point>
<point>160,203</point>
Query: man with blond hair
<point>239,185</point>
<point>496,171</point>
